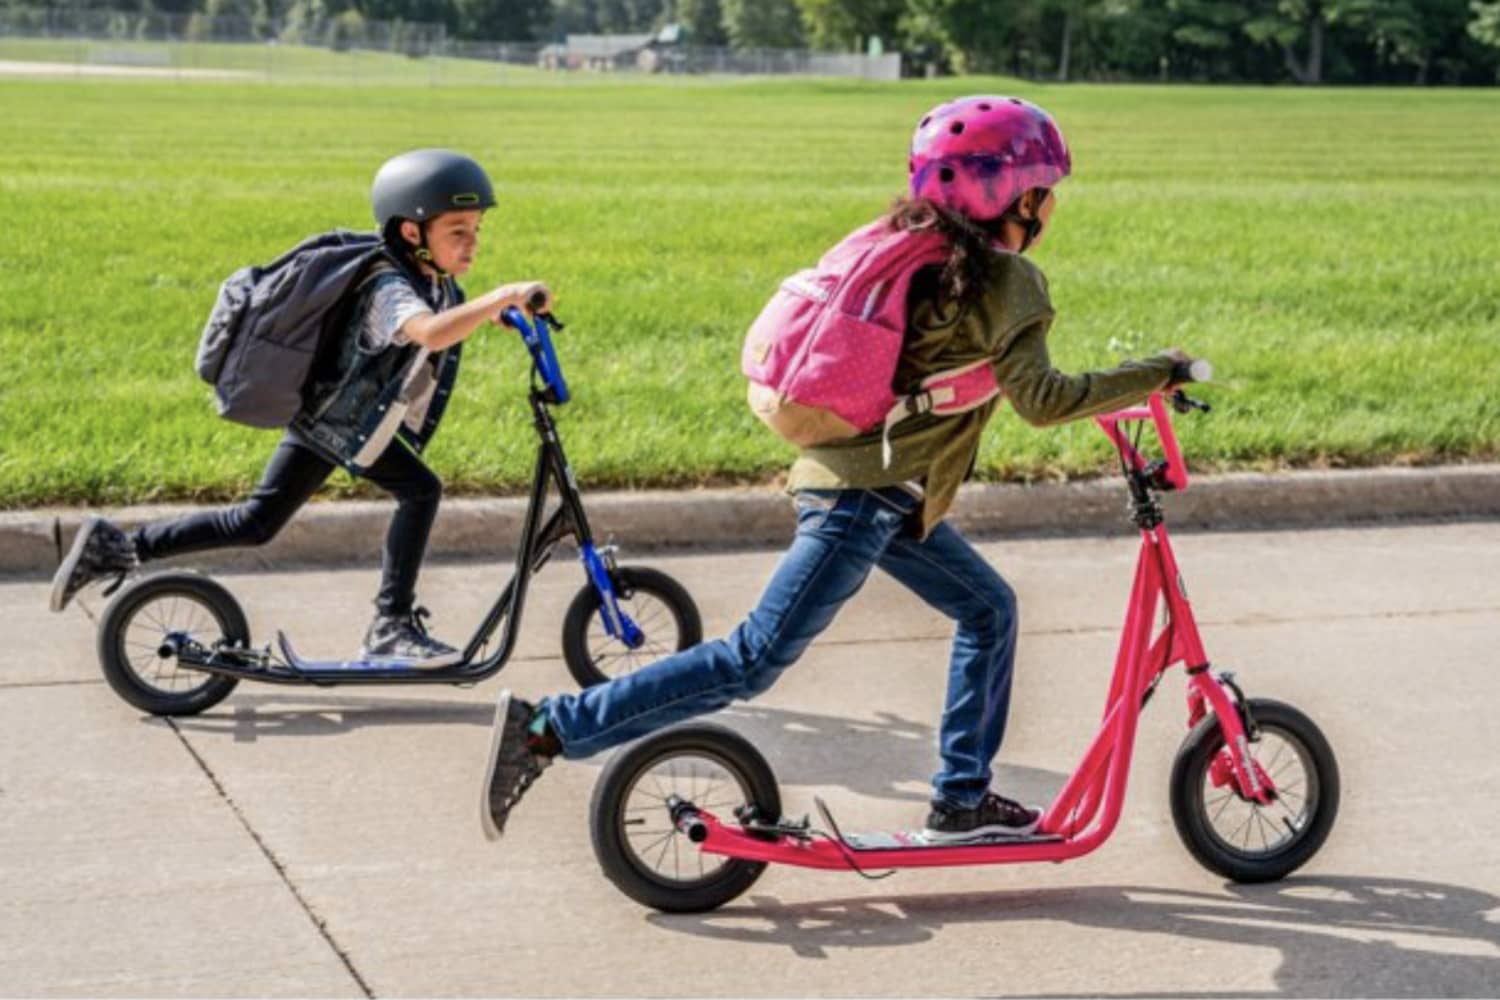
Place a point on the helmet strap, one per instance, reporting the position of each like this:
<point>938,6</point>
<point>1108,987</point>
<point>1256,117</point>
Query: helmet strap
<point>423,254</point>
<point>1030,228</point>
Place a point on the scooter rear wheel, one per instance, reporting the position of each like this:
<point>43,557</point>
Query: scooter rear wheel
<point>659,605</point>
<point>640,848</point>
<point>133,641</point>
<point>1238,837</point>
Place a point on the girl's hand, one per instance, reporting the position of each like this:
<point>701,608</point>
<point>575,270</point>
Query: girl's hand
<point>1181,368</point>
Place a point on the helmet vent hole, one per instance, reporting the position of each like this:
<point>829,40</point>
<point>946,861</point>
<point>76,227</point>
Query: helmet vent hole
<point>1017,101</point>
<point>957,128</point>
<point>984,107</point>
<point>925,122</point>
<point>946,175</point>
<point>911,166</point>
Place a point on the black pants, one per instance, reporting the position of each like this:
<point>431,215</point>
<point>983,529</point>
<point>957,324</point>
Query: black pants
<point>292,476</point>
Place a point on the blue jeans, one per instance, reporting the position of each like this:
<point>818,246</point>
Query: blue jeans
<point>841,536</point>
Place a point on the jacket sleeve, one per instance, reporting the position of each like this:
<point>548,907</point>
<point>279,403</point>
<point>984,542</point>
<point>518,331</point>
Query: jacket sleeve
<point>1042,395</point>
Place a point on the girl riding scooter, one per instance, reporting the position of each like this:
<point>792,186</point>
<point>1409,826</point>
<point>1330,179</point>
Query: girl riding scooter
<point>983,173</point>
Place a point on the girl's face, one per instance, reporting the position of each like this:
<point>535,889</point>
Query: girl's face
<point>452,239</point>
<point>1043,212</point>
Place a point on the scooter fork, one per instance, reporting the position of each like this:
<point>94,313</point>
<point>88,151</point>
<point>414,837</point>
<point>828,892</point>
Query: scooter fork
<point>1235,761</point>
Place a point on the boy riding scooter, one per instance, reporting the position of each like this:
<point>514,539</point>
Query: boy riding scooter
<point>405,324</point>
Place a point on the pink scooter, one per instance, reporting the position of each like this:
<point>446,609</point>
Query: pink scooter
<point>686,820</point>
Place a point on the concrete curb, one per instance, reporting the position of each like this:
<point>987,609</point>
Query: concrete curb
<point>351,532</point>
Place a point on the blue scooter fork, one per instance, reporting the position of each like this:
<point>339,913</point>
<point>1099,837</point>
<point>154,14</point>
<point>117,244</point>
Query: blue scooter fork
<point>616,622</point>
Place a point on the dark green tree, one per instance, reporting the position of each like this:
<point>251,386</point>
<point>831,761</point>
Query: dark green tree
<point>770,24</point>
<point>502,20</point>
<point>704,21</point>
<point>847,24</point>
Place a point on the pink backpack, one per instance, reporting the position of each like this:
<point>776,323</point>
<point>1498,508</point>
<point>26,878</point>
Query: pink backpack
<point>822,354</point>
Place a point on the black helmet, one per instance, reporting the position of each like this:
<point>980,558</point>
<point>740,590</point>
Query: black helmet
<point>426,182</point>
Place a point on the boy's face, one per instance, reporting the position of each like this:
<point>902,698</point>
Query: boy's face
<point>452,239</point>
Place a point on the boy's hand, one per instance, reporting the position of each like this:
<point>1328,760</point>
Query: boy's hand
<point>519,294</point>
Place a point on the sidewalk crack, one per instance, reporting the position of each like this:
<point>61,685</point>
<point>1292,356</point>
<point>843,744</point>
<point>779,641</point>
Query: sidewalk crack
<point>275,862</point>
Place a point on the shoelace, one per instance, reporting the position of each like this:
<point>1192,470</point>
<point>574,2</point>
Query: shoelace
<point>417,615</point>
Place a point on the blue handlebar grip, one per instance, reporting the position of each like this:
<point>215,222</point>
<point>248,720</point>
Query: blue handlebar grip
<point>539,342</point>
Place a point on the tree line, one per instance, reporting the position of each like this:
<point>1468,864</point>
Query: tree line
<point>1246,41</point>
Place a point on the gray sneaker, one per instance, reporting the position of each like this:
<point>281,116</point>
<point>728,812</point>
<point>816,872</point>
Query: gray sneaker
<point>512,766</point>
<point>402,640</point>
<point>99,550</point>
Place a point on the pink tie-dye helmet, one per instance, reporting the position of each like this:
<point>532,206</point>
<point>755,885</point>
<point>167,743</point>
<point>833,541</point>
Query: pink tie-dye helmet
<point>977,155</point>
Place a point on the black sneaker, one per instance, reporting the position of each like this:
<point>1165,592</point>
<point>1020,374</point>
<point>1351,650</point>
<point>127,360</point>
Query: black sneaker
<point>512,766</point>
<point>994,816</point>
<point>99,550</point>
<point>403,640</point>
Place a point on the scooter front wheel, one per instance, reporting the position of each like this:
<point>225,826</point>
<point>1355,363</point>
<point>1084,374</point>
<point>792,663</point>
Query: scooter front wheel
<point>658,605</point>
<point>1238,837</point>
<point>143,625</point>
<point>636,837</point>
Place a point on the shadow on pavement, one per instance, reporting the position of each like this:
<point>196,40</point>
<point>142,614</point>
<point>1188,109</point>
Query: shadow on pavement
<point>1337,935</point>
<point>251,717</point>
<point>875,757</point>
<point>868,757</point>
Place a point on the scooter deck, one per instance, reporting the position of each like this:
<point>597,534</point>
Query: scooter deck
<point>388,668</point>
<point>915,840</point>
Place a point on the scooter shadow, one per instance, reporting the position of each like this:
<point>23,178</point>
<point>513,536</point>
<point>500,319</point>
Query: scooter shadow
<point>249,718</point>
<point>1337,935</point>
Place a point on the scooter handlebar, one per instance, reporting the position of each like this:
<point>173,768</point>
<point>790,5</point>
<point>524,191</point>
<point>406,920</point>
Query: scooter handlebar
<point>1172,472</point>
<point>535,332</point>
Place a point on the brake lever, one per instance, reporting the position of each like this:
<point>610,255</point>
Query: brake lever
<point>1183,403</point>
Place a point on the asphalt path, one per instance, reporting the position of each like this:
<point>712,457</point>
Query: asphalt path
<point>313,842</point>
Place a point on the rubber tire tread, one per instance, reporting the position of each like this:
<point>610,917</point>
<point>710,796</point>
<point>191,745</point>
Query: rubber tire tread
<point>620,772</point>
<point>586,604</point>
<point>124,680</point>
<point>1193,758</point>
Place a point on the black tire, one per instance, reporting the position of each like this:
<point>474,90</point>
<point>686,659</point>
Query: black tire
<point>142,615</point>
<point>624,854</point>
<point>657,603</point>
<point>1300,819</point>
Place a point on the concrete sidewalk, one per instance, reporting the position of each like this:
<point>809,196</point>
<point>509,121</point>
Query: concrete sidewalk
<point>657,520</point>
<point>304,842</point>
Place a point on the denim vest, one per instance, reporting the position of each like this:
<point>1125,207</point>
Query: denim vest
<point>353,389</point>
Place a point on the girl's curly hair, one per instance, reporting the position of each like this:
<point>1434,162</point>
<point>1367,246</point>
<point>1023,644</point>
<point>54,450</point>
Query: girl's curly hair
<point>964,273</point>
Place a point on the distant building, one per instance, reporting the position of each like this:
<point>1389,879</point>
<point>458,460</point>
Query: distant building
<point>611,52</point>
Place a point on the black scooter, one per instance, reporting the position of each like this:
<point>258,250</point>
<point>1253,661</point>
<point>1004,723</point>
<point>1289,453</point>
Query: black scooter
<point>177,643</point>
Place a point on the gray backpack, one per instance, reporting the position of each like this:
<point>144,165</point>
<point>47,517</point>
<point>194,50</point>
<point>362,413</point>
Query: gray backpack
<point>269,322</point>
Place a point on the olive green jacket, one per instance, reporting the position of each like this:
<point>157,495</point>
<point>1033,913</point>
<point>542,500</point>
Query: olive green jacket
<point>1007,325</point>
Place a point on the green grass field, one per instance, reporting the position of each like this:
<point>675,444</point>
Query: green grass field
<point>1334,253</point>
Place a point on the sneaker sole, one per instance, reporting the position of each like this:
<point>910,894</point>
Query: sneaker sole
<point>60,598</point>
<point>981,832</point>
<point>425,663</point>
<point>497,736</point>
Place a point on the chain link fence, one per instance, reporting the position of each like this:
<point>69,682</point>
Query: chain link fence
<point>351,49</point>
